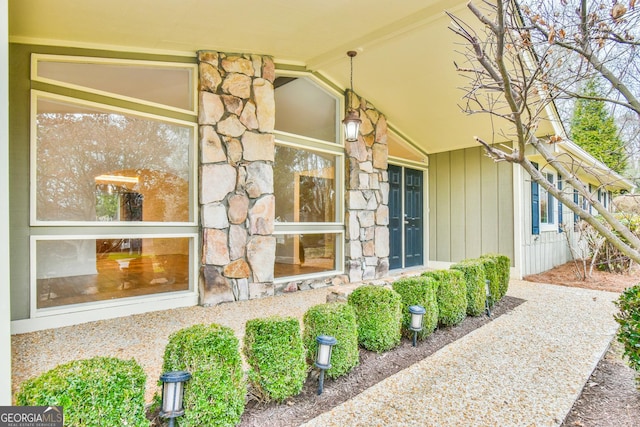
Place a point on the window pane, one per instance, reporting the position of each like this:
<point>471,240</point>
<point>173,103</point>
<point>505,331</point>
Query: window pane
<point>544,208</point>
<point>97,165</point>
<point>305,187</point>
<point>304,254</point>
<point>86,270</point>
<point>302,108</point>
<point>171,86</point>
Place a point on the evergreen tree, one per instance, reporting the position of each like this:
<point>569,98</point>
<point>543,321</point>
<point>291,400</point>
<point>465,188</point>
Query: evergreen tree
<point>593,128</point>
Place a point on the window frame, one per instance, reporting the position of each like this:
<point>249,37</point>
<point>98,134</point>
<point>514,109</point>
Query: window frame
<point>70,230</point>
<point>36,58</point>
<point>96,305</point>
<point>335,148</point>
<point>552,204</point>
<point>193,155</point>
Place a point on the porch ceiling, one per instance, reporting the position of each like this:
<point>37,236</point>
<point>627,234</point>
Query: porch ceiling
<point>404,67</point>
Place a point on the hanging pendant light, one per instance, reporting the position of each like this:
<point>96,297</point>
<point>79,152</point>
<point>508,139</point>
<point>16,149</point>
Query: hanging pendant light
<point>351,121</point>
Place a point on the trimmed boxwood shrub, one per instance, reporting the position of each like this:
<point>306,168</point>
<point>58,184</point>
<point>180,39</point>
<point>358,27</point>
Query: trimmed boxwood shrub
<point>103,391</point>
<point>274,351</point>
<point>629,320</point>
<point>419,290</point>
<point>339,321</point>
<point>451,296</point>
<point>503,264</point>
<point>474,279</point>
<point>491,274</point>
<point>379,316</point>
<point>215,394</point>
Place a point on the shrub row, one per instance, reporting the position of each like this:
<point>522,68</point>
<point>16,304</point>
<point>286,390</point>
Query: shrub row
<point>110,391</point>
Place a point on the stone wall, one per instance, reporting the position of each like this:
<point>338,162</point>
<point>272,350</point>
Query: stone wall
<point>237,205</point>
<point>367,196</point>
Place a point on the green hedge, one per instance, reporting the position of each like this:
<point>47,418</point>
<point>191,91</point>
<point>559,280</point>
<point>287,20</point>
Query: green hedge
<point>491,274</point>
<point>451,296</point>
<point>274,351</point>
<point>102,391</point>
<point>421,291</point>
<point>215,394</point>
<point>629,320</point>
<point>379,316</point>
<point>503,264</point>
<point>339,321</point>
<point>474,279</point>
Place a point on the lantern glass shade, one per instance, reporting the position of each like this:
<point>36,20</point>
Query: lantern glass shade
<point>323,356</point>
<point>417,313</point>
<point>351,125</point>
<point>487,287</point>
<point>172,393</point>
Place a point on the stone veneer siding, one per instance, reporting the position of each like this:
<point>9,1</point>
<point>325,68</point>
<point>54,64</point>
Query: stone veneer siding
<point>367,198</point>
<point>237,147</point>
<point>236,121</point>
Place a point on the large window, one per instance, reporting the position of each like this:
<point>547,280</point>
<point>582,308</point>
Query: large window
<point>113,181</point>
<point>308,178</point>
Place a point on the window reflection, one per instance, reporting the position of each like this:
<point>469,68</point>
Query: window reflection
<point>305,186</point>
<point>304,254</point>
<point>93,165</point>
<point>87,270</point>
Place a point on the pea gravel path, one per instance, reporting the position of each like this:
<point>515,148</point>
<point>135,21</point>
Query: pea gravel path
<point>525,368</point>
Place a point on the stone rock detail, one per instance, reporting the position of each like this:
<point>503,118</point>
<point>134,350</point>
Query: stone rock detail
<point>211,146</point>
<point>261,290</point>
<point>238,269</point>
<point>214,288</point>
<point>236,118</point>
<point>367,197</point>
<point>216,248</point>
<point>216,182</point>
<point>261,216</point>
<point>214,215</point>
<point>261,254</point>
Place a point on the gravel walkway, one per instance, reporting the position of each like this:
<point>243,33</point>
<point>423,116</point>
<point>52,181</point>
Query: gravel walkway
<point>526,368</point>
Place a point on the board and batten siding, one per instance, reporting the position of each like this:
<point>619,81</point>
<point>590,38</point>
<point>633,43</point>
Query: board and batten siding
<point>548,249</point>
<point>470,206</point>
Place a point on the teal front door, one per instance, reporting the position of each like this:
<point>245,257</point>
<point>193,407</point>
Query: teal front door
<point>406,219</point>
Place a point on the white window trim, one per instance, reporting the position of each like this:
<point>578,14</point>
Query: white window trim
<point>36,58</point>
<point>193,155</point>
<point>36,312</point>
<point>548,226</point>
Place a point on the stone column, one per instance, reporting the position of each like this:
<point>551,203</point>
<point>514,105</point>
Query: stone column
<point>367,198</point>
<point>236,121</point>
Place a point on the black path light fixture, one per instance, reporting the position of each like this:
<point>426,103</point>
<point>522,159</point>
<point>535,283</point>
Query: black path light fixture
<point>323,357</point>
<point>352,120</point>
<point>487,303</point>
<point>172,394</point>
<point>417,315</point>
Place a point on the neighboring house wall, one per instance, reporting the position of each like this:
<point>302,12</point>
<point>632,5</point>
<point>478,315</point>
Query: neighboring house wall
<point>470,206</point>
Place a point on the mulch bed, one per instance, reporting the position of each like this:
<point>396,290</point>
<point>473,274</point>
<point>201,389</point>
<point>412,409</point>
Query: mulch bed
<point>610,398</point>
<point>373,368</point>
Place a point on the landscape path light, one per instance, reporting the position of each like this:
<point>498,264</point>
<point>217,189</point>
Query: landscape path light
<point>323,357</point>
<point>487,289</point>
<point>172,394</point>
<point>417,315</point>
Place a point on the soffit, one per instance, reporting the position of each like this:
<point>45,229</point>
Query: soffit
<point>404,67</point>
